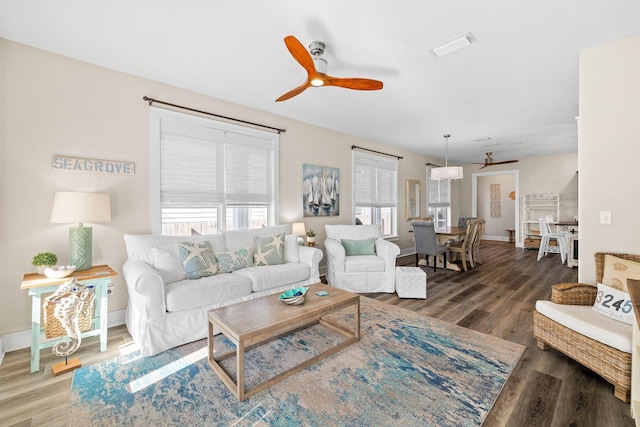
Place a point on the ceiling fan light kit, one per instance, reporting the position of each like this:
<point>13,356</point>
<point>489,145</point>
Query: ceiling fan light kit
<point>447,172</point>
<point>316,68</point>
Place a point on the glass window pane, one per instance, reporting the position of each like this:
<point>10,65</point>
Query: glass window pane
<point>364,215</point>
<point>246,217</point>
<point>189,221</point>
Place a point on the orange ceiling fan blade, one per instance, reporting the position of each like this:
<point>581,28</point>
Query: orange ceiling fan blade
<point>300,54</point>
<point>353,83</point>
<point>294,92</point>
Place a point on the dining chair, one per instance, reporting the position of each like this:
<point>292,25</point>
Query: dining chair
<point>465,247</point>
<point>424,235</point>
<point>462,220</point>
<point>546,239</point>
<point>476,243</point>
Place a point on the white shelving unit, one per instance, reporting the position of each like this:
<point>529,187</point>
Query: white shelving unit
<point>538,206</point>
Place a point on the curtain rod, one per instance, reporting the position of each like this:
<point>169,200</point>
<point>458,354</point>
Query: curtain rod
<point>151,101</point>
<point>433,164</point>
<point>374,151</point>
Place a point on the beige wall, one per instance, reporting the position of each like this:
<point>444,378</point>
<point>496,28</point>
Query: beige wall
<point>495,227</point>
<point>537,175</point>
<point>609,147</point>
<point>56,105</point>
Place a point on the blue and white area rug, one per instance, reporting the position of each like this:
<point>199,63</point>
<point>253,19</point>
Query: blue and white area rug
<point>407,369</point>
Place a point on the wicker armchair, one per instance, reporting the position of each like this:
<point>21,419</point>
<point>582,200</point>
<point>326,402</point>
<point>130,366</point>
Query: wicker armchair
<point>612,364</point>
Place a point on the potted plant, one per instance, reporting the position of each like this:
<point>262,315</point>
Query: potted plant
<point>43,260</point>
<point>311,238</point>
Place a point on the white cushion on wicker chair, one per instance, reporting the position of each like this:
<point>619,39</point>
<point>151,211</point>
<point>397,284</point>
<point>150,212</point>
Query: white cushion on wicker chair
<point>585,321</point>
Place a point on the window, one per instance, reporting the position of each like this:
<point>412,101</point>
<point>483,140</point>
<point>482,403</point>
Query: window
<point>209,176</point>
<point>439,200</point>
<point>375,191</point>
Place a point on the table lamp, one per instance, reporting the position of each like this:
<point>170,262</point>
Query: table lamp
<point>80,207</point>
<point>298,228</point>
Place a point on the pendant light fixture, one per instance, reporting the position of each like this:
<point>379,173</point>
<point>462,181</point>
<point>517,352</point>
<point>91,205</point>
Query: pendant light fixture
<point>447,172</point>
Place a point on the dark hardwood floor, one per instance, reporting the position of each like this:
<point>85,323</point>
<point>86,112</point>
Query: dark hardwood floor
<point>497,298</point>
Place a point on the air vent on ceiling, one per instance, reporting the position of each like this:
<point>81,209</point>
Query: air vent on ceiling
<point>453,45</point>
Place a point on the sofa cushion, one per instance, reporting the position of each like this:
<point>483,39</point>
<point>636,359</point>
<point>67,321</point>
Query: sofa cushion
<point>291,248</point>
<point>582,319</point>
<point>359,247</point>
<point>139,245</point>
<point>614,303</point>
<point>364,264</point>
<point>271,276</point>
<point>618,270</point>
<point>190,294</point>
<point>197,259</point>
<point>242,238</point>
<point>168,263</point>
<point>268,250</point>
<point>234,260</point>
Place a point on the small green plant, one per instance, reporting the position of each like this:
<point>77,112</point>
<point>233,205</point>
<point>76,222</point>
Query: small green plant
<point>44,259</point>
<point>311,233</point>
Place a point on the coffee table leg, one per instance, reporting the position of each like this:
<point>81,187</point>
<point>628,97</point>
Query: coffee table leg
<point>210,340</point>
<point>240,369</point>
<point>357,318</point>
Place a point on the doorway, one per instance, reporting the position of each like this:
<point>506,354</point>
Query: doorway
<point>494,197</point>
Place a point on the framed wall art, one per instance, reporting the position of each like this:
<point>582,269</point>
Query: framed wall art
<point>320,190</point>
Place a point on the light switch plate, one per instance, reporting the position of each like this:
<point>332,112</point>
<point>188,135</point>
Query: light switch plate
<point>605,217</point>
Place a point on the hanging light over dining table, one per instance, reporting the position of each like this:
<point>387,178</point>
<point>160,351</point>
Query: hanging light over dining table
<point>447,172</point>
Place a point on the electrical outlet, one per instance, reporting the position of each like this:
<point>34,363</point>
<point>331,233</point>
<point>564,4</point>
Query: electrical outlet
<point>605,217</point>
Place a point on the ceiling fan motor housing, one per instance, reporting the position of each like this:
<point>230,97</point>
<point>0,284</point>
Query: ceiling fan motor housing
<point>316,48</point>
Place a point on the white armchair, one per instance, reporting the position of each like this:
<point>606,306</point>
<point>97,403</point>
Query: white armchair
<point>360,273</point>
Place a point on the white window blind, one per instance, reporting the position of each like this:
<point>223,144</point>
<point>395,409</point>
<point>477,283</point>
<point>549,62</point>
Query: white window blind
<point>212,170</point>
<point>248,162</point>
<point>375,180</point>
<point>190,164</point>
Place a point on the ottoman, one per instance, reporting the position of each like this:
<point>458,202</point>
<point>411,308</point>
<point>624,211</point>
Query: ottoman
<point>411,282</point>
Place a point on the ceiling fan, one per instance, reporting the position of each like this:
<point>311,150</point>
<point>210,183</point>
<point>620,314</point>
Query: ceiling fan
<point>316,67</point>
<point>489,161</point>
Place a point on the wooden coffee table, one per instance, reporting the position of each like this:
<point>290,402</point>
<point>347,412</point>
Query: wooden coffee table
<point>252,323</point>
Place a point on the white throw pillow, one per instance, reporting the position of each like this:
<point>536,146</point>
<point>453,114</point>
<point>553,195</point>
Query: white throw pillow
<point>614,303</point>
<point>291,248</point>
<point>167,261</point>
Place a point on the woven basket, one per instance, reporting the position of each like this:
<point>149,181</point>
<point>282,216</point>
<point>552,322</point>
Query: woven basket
<point>53,328</point>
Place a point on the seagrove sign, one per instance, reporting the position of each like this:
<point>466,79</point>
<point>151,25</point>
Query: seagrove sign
<point>77,164</point>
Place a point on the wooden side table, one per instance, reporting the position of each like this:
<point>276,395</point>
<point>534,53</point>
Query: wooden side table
<point>98,276</point>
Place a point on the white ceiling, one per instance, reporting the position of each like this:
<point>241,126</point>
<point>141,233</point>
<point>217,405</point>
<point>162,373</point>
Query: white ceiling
<point>517,85</point>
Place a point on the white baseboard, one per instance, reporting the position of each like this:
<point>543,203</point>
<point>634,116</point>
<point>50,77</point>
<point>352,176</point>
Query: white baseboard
<point>22,339</point>
<point>495,238</point>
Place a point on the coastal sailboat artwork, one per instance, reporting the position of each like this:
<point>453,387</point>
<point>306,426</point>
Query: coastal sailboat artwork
<point>320,190</point>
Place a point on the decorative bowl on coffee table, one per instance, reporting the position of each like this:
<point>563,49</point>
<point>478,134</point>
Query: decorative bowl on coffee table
<point>295,296</point>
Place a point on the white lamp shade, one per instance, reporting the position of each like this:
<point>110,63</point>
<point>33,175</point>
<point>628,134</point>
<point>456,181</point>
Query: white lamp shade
<point>69,207</point>
<point>298,228</point>
<point>444,173</point>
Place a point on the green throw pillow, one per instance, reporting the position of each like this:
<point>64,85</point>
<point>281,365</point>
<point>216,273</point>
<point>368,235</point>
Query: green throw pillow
<point>234,260</point>
<point>359,247</point>
<point>197,259</point>
<point>269,250</point>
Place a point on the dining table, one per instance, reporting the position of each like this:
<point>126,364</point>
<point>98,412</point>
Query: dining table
<point>449,233</point>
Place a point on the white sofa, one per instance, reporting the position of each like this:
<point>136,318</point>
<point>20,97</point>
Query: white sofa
<point>166,310</point>
<point>362,273</point>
